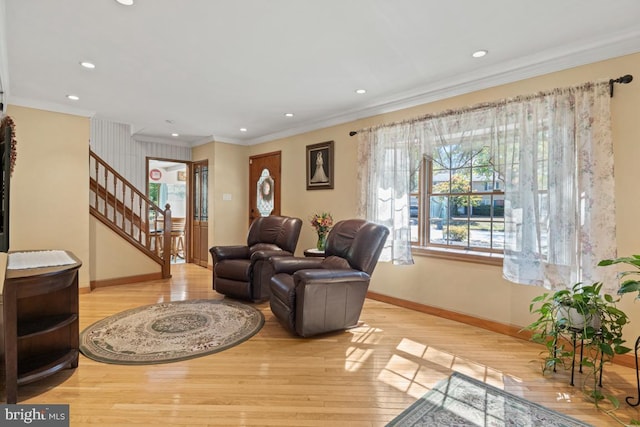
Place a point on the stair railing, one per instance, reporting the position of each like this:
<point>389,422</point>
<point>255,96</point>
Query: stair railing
<point>123,208</point>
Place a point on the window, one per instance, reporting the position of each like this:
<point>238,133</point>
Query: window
<point>550,152</point>
<point>457,203</point>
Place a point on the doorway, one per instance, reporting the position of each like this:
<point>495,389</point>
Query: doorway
<point>167,183</point>
<point>199,247</point>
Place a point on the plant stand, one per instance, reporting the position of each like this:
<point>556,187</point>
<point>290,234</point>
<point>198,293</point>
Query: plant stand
<point>628,399</point>
<point>574,340</point>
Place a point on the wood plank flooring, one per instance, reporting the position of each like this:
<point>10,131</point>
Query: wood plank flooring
<point>361,377</point>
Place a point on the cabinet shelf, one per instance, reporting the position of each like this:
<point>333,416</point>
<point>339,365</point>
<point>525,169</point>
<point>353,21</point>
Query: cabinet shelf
<point>39,367</point>
<point>43,325</point>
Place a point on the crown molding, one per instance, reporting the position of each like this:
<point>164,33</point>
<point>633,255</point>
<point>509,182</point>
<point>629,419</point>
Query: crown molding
<point>161,140</point>
<point>49,106</point>
<point>537,64</point>
<point>220,138</point>
<point>580,53</point>
<point>202,141</point>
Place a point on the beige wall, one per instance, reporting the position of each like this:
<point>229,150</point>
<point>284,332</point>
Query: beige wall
<point>473,289</point>
<point>3,270</point>
<point>228,174</point>
<point>112,257</point>
<point>296,200</point>
<point>50,185</point>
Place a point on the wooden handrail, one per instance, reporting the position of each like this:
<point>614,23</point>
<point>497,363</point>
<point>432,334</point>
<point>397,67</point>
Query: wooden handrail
<point>129,212</point>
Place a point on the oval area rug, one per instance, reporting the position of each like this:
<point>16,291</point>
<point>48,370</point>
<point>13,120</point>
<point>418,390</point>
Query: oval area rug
<point>170,332</point>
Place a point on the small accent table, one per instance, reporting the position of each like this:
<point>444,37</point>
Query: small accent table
<point>40,323</point>
<point>314,253</point>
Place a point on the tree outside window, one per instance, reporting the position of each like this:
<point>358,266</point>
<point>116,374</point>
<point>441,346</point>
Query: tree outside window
<point>463,202</point>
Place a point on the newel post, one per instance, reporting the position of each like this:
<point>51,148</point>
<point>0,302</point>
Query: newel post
<point>166,242</point>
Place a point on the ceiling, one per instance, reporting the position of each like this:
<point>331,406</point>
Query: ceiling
<point>206,68</point>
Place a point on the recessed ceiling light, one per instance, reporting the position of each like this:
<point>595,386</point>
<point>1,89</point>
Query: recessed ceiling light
<point>361,91</point>
<point>243,129</point>
<point>87,64</point>
<point>175,134</point>
<point>125,2</point>
<point>288,114</point>
<point>73,97</point>
<point>479,53</point>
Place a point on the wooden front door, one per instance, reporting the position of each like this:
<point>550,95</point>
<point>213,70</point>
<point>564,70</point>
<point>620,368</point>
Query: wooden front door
<point>200,220</point>
<point>264,185</point>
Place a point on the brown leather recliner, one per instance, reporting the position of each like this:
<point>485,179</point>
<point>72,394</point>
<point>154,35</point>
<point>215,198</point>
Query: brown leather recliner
<point>313,295</point>
<point>238,271</point>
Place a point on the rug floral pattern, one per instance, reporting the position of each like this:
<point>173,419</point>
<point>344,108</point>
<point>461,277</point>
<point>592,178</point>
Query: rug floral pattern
<point>461,401</point>
<point>170,332</point>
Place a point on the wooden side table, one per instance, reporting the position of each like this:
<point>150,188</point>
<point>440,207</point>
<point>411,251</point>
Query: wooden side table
<point>40,323</point>
<point>313,253</point>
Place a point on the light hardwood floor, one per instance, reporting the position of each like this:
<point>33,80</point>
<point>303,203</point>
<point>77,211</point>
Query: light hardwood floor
<point>361,377</point>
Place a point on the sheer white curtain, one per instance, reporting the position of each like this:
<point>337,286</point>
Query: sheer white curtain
<point>559,194</point>
<point>384,156</point>
<point>555,154</point>
<point>389,155</point>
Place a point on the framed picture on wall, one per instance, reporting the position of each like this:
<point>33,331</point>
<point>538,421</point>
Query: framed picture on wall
<point>320,166</point>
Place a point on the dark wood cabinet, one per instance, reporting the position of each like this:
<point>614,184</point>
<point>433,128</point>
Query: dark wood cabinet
<point>40,334</point>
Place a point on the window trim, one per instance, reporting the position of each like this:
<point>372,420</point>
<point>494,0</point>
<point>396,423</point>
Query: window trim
<point>457,253</point>
<point>490,258</point>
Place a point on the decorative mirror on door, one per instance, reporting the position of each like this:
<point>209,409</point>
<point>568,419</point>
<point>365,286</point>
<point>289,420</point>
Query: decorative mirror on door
<point>265,193</point>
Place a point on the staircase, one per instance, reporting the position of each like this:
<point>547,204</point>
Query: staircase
<point>124,209</point>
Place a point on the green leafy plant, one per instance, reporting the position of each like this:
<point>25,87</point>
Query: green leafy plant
<point>628,279</point>
<point>459,183</point>
<point>457,233</point>
<point>629,283</point>
<point>586,314</point>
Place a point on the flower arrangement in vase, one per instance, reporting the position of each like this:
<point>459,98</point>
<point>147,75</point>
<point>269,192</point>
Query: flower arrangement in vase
<point>322,223</point>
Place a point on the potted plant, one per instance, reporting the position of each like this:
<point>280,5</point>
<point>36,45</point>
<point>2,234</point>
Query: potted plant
<point>582,313</point>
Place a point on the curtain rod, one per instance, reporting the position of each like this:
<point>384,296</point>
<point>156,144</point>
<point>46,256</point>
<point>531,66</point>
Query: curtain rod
<point>624,80</point>
<point>627,78</point>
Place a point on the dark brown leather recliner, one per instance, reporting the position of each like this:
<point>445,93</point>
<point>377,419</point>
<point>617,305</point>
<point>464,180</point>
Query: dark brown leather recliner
<point>238,271</point>
<point>310,296</point>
